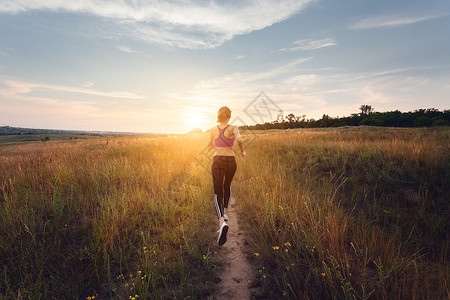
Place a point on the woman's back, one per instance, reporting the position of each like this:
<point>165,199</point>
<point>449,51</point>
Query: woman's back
<point>223,138</point>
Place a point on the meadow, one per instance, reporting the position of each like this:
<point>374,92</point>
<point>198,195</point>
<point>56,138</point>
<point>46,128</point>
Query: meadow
<point>346,213</point>
<point>18,138</point>
<point>106,218</point>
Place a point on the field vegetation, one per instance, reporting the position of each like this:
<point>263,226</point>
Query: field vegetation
<point>8,140</point>
<point>341,213</point>
<point>348,214</point>
<point>119,217</point>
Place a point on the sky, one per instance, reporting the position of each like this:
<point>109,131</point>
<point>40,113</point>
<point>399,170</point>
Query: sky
<point>168,66</point>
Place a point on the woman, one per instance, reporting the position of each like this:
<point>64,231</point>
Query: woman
<point>222,137</point>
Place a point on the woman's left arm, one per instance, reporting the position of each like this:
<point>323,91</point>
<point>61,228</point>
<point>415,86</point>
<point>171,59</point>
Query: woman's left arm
<point>240,141</point>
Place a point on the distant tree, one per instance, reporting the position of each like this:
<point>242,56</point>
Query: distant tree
<point>418,118</point>
<point>366,110</point>
<point>422,121</point>
<point>290,118</point>
<point>439,122</point>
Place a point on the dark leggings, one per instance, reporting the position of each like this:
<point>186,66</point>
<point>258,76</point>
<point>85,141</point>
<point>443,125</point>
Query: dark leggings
<point>223,169</point>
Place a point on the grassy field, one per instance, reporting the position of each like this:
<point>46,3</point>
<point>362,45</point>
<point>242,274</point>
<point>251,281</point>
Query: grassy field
<point>115,217</point>
<point>348,213</point>
<point>338,213</point>
<point>9,140</point>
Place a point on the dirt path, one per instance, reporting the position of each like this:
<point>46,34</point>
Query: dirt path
<point>237,272</point>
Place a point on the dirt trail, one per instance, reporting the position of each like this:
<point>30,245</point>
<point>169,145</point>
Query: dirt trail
<point>237,271</point>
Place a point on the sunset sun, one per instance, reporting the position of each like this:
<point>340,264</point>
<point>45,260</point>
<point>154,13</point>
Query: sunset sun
<point>196,119</point>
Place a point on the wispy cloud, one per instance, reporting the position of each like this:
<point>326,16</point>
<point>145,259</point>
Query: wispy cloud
<point>179,23</point>
<point>127,49</point>
<point>311,93</point>
<point>12,87</point>
<point>27,104</point>
<point>390,21</point>
<point>309,44</point>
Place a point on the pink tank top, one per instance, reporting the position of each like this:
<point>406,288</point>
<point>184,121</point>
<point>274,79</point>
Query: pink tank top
<point>222,141</point>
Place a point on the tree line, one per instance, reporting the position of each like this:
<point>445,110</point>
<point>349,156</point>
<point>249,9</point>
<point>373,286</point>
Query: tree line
<point>417,118</point>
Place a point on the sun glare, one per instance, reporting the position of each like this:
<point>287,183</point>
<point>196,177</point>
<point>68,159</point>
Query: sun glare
<point>196,120</point>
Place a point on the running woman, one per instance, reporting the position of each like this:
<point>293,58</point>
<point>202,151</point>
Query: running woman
<point>222,137</point>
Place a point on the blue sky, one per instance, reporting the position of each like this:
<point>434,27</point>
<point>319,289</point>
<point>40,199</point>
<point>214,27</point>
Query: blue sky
<point>167,66</point>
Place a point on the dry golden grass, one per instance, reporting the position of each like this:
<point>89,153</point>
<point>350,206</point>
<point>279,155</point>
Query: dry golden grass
<point>80,217</point>
<point>337,213</point>
<point>349,213</point>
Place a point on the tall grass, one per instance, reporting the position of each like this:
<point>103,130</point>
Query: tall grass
<point>107,218</point>
<point>359,214</point>
<point>328,214</point>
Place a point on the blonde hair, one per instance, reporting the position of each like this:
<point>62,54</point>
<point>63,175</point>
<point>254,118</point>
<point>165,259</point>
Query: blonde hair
<point>223,114</point>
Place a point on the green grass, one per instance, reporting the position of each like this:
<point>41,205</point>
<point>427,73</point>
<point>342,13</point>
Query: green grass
<point>7,140</point>
<point>348,213</point>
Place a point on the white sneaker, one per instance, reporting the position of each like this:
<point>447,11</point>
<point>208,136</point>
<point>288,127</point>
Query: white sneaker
<point>222,233</point>
<point>225,216</point>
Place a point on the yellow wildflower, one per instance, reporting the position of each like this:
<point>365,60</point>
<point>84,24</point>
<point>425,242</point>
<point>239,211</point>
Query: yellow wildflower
<point>284,293</point>
<point>287,244</point>
<point>276,248</point>
<point>323,274</point>
<point>256,254</point>
<point>286,250</point>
